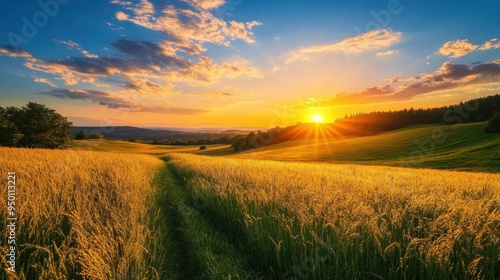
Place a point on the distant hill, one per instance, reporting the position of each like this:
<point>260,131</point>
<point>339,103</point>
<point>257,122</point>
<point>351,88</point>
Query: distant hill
<point>127,132</point>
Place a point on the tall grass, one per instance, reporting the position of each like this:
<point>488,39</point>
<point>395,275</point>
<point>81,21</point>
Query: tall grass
<point>316,221</point>
<point>81,215</point>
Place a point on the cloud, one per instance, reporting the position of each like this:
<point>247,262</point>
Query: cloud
<point>147,87</point>
<point>387,53</point>
<point>277,68</point>
<point>459,48</point>
<point>115,102</point>
<point>490,44</point>
<point>216,94</point>
<point>45,81</point>
<point>448,76</point>
<point>12,51</point>
<point>122,3</point>
<point>144,8</point>
<point>189,29</point>
<point>140,60</point>
<point>150,55</point>
<point>369,41</point>
<point>114,26</point>
<point>206,4</point>
<point>394,80</point>
<point>206,71</point>
<point>73,45</point>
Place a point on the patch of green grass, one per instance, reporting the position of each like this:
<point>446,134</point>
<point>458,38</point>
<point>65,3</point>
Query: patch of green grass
<point>201,251</point>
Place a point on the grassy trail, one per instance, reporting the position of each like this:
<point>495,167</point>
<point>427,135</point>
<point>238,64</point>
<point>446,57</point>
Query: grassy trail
<point>182,265</point>
<point>197,249</point>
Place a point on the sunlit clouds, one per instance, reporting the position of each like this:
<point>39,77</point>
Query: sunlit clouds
<point>369,41</point>
<point>448,76</point>
<point>222,63</point>
<point>459,48</point>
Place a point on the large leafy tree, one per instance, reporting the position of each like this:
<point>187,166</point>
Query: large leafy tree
<point>33,126</point>
<point>9,135</point>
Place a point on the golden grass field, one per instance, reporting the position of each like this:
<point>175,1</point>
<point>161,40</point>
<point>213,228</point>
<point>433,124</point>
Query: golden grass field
<point>122,215</point>
<point>81,214</point>
<point>396,223</point>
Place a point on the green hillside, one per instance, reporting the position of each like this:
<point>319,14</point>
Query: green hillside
<point>458,147</point>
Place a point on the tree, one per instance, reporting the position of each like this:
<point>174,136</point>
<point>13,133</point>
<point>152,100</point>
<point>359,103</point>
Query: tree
<point>239,144</point>
<point>134,140</point>
<point>203,147</point>
<point>96,136</point>
<point>81,135</point>
<point>493,124</point>
<point>9,135</point>
<point>34,126</point>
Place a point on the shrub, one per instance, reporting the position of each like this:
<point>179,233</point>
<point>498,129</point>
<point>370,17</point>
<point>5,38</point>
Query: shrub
<point>81,135</point>
<point>203,147</point>
<point>96,136</point>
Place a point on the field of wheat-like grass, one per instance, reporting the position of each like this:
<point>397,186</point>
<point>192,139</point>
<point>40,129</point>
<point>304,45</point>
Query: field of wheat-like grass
<point>319,221</point>
<point>81,215</point>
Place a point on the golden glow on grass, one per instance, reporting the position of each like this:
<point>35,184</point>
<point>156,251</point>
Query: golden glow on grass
<point>81,213</point>
<point>368,215</point>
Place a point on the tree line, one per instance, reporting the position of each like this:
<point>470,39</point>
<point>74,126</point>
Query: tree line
<point>189,142</point>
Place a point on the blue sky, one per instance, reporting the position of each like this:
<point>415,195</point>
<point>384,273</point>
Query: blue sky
<point>200,63</point>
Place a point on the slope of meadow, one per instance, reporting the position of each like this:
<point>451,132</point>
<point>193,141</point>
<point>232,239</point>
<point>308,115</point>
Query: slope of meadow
<point>460,147</point>
<point>118,146</point>
<point>328,221</point>
<point>82,215</point>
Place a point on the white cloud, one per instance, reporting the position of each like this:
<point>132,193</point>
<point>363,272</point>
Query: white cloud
<point>387,53</point>
<point>206,4</point>
<point>369,41</point>
<point>73,45</point>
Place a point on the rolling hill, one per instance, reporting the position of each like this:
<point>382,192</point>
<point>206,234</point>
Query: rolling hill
<point>459,147</point>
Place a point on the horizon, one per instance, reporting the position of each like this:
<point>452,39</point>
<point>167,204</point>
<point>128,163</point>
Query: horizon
<point>203,64</point>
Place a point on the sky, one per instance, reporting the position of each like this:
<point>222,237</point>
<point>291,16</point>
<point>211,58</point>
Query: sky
<point>244,63</point>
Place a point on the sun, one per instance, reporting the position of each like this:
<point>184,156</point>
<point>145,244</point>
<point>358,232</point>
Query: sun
<point>317,118</point>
